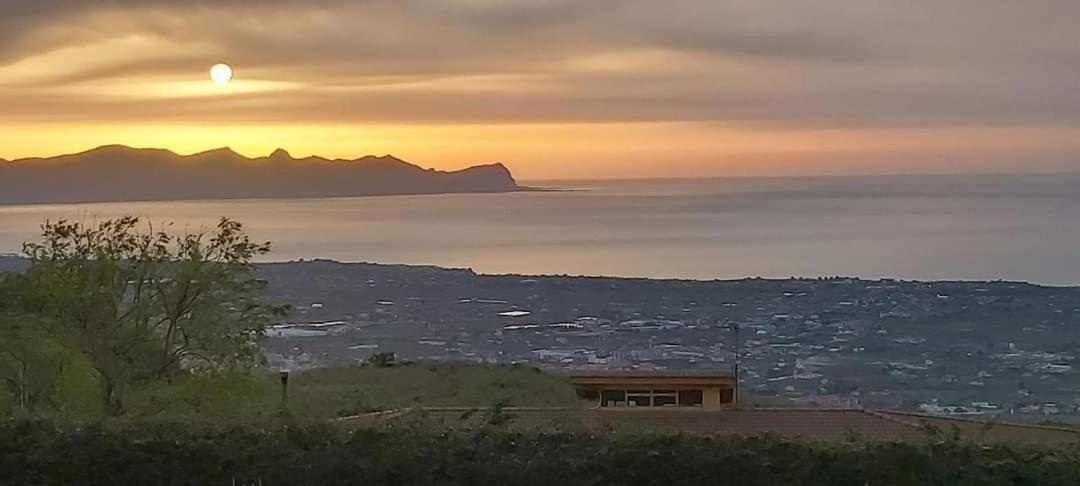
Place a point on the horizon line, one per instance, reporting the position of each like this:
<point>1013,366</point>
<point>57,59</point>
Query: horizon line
<point>706,176</point>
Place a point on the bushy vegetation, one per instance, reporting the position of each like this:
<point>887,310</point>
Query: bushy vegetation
<point>318,394</point>
<point>123,306</point>
<point>162,453</point>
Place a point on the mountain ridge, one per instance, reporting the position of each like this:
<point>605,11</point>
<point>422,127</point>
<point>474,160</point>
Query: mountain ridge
<point>113,173</point>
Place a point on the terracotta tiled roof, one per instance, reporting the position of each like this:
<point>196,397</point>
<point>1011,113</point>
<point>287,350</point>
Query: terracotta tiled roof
<point>989,430</point>
<point>802,423</point>
<point>812,424</point>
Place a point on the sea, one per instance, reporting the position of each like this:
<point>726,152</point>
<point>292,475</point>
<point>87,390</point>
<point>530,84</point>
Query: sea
<point>952,227</point>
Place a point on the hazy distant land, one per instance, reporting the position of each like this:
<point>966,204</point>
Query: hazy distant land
<point>119,173</point>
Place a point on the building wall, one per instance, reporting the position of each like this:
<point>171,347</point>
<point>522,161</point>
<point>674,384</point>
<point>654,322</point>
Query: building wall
<point>711,398</point>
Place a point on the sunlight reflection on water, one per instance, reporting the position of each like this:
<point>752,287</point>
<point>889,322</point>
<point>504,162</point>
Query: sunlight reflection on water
<point>942,227</point>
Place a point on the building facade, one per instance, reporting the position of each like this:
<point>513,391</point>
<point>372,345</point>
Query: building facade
<point>713,390</point>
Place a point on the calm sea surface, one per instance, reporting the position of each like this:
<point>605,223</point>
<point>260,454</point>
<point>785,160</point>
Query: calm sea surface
<point>926,227</point>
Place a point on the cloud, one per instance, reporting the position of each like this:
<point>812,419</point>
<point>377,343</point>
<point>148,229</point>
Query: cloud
<point>783,63</point>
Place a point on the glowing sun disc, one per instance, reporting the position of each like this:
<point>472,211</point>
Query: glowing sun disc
<point>221,74</point>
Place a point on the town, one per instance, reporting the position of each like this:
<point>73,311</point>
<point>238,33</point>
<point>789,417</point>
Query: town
<point>953,348</point>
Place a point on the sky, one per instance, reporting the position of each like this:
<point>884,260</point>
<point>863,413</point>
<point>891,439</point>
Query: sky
<point>557,89</point>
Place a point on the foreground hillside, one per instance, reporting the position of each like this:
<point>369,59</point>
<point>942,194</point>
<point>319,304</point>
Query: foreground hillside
<point>39,453</point>
<point>324,394</point>
<point>117,173</point>
<point>450,424</point>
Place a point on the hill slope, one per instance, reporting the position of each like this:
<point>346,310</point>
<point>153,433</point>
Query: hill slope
<point>118,173</point>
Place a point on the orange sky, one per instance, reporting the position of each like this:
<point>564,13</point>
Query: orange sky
<point>556,89</point>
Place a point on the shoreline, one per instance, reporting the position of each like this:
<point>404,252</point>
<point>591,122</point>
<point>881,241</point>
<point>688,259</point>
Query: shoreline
<point>10,261</point>
<point>833,278</point>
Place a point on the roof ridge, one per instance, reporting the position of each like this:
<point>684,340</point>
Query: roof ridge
<point>378,414</point>
<point>981,422</point>
<point>800,409</point>
<point>641,409</point>
<point>886,416</point>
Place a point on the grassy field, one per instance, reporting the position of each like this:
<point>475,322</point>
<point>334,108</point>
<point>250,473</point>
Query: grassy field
<point>327,393</point>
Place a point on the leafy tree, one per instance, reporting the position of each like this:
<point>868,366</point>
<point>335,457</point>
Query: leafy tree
<point>32,363</point>
<point>144,305</point>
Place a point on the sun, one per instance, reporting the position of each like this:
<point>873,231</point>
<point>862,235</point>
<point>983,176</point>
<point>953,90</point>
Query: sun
<point>221,74</point>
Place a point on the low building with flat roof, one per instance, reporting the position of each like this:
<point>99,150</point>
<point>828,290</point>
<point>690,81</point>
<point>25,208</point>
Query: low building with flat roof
<point>706,390</point>
<point>704,402</point>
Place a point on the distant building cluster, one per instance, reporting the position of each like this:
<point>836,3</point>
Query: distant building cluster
<point>947,348</point>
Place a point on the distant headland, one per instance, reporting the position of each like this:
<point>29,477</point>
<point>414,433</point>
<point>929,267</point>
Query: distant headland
<point>119,173</point>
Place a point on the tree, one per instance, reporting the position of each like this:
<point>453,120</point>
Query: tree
<point>143,305</point>
<point>32,363</point>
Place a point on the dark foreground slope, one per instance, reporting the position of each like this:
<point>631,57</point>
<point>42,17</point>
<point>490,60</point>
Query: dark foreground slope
<point>38,453</point>
<point>117,173</point>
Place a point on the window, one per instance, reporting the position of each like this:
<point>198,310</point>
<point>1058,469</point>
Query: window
<point>691,398</point>
<point>665,398</point>
<point>727,396</point>
<point>589,394</point>
<point>639,398</point>
<point>613,398</point>
<point>651,398</point>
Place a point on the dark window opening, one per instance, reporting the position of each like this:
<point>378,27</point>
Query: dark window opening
<point>664,399</point>
<point>639,398</point>
<point>691,398</point>
<point>613,398</point>
<point>651,398</point>
<point>589,394</point>
<point>727,396</point>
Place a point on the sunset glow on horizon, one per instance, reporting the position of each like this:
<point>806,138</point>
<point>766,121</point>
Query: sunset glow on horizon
<point>554,89</point>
